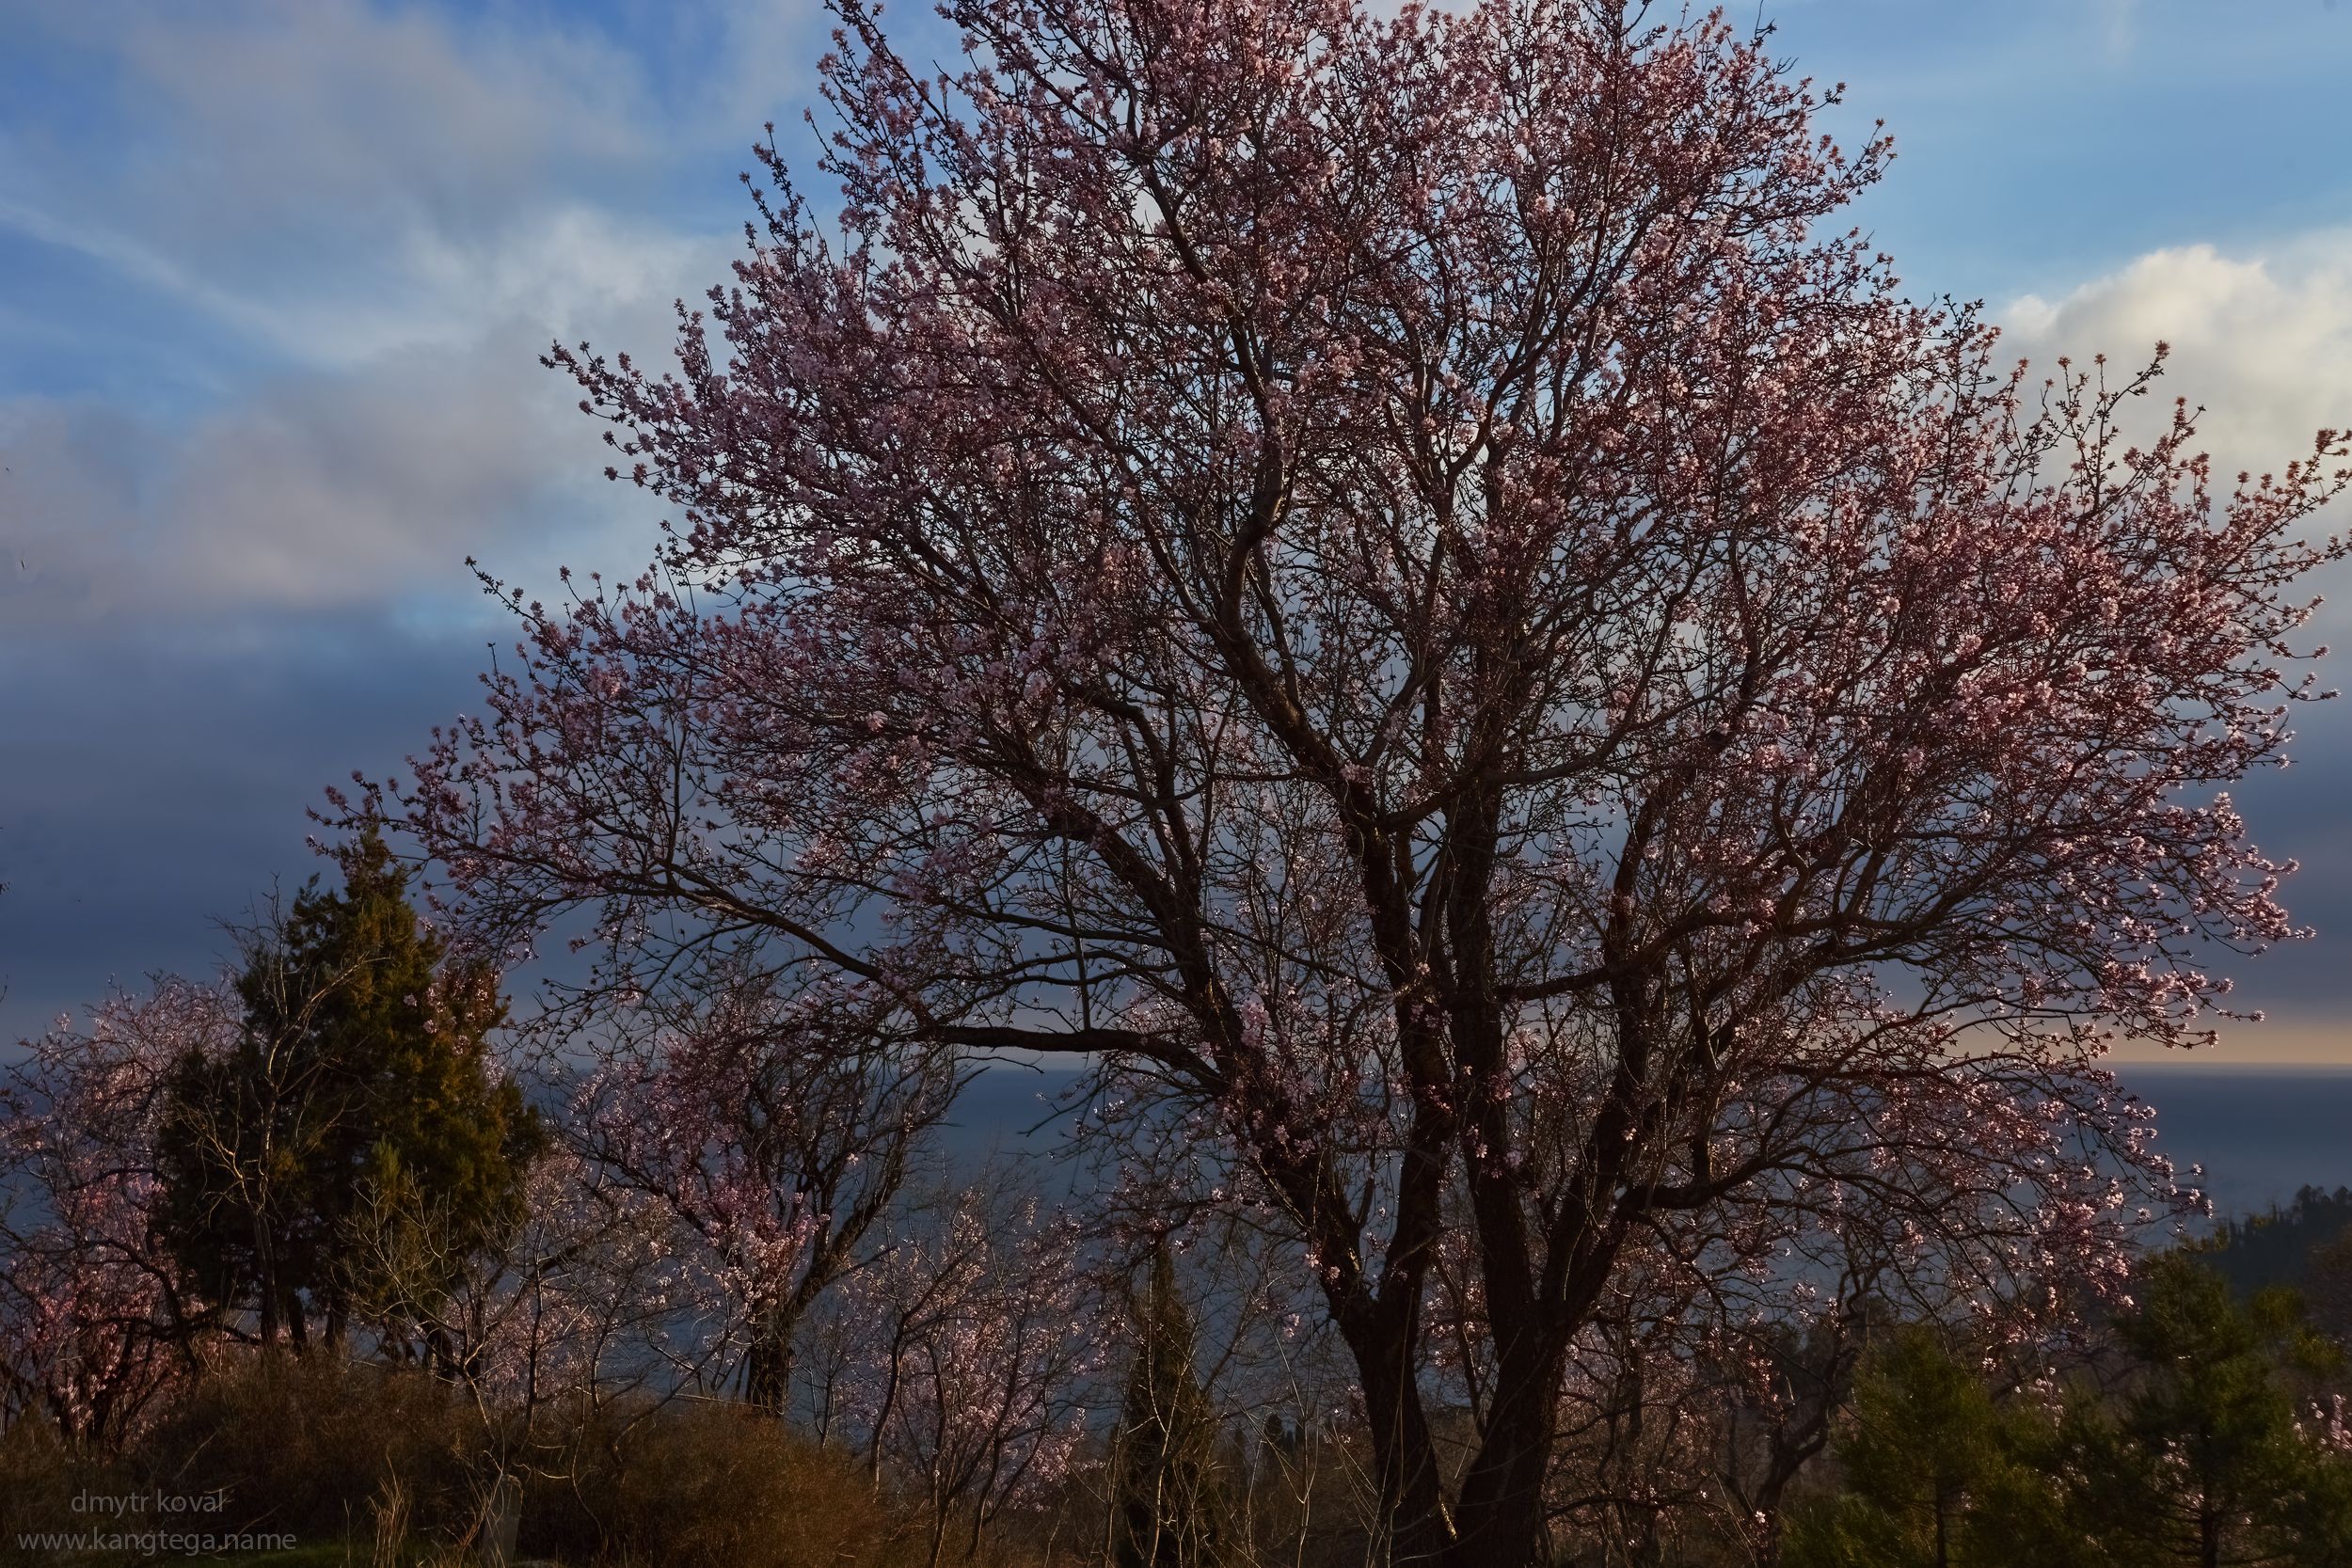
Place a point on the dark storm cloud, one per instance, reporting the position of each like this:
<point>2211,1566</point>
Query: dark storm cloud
<point>150,787</point>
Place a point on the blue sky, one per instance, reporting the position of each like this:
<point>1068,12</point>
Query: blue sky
<point>274,274</point>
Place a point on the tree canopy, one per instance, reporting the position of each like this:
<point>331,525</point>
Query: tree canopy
<point>1400,583</point>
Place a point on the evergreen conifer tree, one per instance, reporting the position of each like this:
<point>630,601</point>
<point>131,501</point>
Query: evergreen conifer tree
<point>1937,1473</point>
<point>2205,1461</point>
<point>361,1086</point>
<point>1166,1500</point>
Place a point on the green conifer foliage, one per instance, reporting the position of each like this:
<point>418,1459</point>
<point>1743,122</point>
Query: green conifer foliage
<point>2205,1460</point>
<point>361,1094</point>
<point>2196,1437</point>
<point>1167,1502</point>
<point>1937,1472</point>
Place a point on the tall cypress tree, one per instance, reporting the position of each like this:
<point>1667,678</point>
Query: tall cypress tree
<point>1168,1505</point>
<point>361,1084</point>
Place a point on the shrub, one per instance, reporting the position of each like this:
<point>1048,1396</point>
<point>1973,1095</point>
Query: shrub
<point>40,1475</point>
<point>707,1486</point>
<point>312,1446</point>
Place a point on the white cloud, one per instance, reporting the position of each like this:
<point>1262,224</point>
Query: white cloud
<point>358,485</point>
<point>363,479</point>
<point>296,121</point>
<point>328,179</point>
<point>2263,339</point>
<point>393,213</point>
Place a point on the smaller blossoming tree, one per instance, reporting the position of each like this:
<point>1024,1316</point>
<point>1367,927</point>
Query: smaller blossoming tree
<point>965,1356</point>
<point>771,1130</point>
<point>97,1320</point>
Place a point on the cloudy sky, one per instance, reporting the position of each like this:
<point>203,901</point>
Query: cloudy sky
<point>274,274</point>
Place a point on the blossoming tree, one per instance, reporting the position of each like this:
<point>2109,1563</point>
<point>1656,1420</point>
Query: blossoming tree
<point>773,1134</point>
<point>97,1320</point>
<point>962,1357</point>
<point>1401,581</point>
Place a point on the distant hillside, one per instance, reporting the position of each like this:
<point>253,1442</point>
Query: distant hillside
<point>2274,1248</point>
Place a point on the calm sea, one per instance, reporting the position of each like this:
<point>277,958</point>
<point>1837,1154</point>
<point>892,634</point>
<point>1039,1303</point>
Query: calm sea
<point>2260,1132</point>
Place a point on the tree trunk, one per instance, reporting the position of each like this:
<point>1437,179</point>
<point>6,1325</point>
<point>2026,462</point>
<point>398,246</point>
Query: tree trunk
<point>1412,1519</point>
<point>768,1364</point>
<point>334,1316</point>
<point>1764,1502</point>
<point>265,1279</point>
<point>1500,1522</point>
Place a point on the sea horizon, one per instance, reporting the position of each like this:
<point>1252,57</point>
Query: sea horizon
<point>2262,1130</point>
